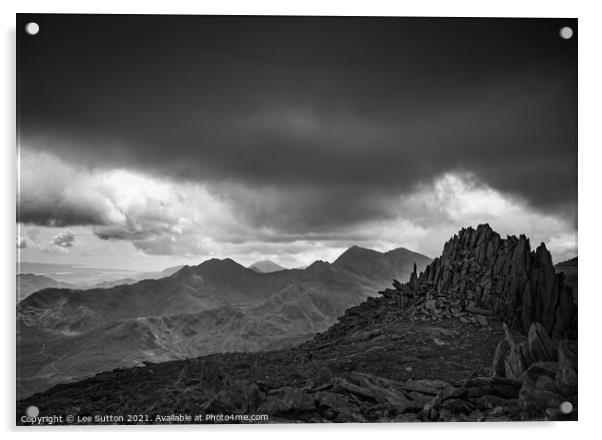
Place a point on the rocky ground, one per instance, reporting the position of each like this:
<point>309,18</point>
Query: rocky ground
<point>439,370</point>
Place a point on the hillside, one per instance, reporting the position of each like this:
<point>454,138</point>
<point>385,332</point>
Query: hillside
<point>449,344</point>
<point>217,306</point>
<point>28,283</point>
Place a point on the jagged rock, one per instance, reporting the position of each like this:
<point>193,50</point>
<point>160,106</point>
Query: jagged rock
<point>472,308</point>
<point>533,399</point>
<point>498,369</point>
<point>482,320</point>
<point>322,376</point>
<point>566,380</point>
<point>338,407</point>
<point>413,283</point>
<point>514,363</point>
<point>374,389</point>
<point>480,386</point>
<point>456,406</point>
<point>491,402</point>
<point>331,400</point>
<point>480,274</point>
<point>549,369</point>
<point>425,386</point>
<point>287,400</point>
<point>567,354</point>
<point>527,354</point>
<point>546,383</point>
<point>546,299</point>
<point>254,397</point>
<point>406,417</point>
<point>542,375</point>
<point>219,403</point>
<point>540,345</point>
<point>472,394</point>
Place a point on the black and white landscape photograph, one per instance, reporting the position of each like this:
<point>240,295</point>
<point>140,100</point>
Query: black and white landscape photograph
<point>284,219</point>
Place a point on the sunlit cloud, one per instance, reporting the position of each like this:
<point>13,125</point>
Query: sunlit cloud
<point>158,216</point>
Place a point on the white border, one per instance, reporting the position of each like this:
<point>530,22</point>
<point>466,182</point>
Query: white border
<point>590,246</point>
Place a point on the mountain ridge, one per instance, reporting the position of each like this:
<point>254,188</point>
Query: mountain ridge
<point>265,266</point>
<point>290,305</point>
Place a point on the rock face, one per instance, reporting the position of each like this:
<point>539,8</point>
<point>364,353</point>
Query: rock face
<point>479,273</point>
<point>569,269</point>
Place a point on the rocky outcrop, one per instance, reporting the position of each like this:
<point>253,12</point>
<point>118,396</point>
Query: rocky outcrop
<point>481,274</point>
<point>535,379</point>
<point>547,371</point>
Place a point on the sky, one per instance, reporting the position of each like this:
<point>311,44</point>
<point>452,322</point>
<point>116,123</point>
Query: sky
<point>151,141</point>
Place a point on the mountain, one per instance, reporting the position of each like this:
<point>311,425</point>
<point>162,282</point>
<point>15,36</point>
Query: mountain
<point>28,283</point>
<point>266,266</point>
<point>376,265</point>
<point>486,332</point>
<point>107,284</point>
<point>217,306</point>
<point>168,271</point>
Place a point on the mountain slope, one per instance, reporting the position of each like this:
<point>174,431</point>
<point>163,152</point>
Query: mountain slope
<point>266,266</point>
<point>83,332</point>
<point>379,266</point>
<point>28,283</point>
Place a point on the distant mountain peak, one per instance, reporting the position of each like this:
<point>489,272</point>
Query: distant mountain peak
<point>214,267</point>
<point>355,252</point>
<point>225,262</point>
<point>266,266</point>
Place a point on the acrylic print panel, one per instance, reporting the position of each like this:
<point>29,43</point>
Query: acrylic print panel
<point>269,219</point>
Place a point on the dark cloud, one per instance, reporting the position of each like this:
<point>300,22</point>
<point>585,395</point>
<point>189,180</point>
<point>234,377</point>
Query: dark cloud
<point>340,115</point>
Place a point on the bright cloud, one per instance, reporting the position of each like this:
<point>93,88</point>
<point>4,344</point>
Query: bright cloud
<point>158,216</point>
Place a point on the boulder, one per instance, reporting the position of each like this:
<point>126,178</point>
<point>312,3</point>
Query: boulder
<point>472,308</point>
<point>514,362</point>
<point>549,369</point>
<point>287,401</point>
<point>546,383</point>
<point>533,399</point>
<point>566,381</point>
<point>328,399</point>
<point>482,320</point>
<point>498,369</point>
<point>567,354</point>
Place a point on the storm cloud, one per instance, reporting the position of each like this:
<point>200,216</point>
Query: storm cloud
<point>293,128</point>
